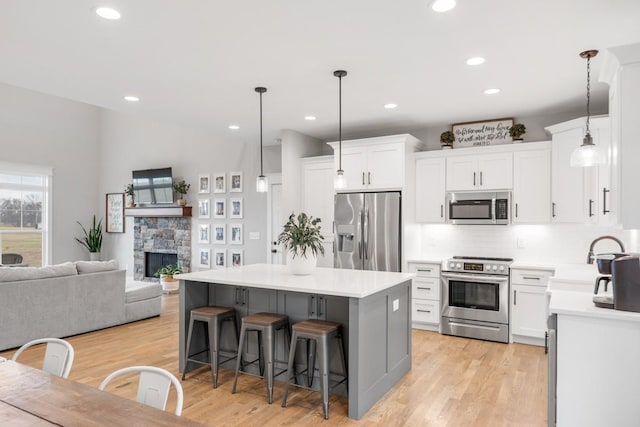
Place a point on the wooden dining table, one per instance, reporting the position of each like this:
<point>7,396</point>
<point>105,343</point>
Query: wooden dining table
<point>31,397</point>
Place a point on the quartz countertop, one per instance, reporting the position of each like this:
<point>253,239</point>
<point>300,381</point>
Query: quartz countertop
<point>581,304</point>
<point>525,265</point>
<point>325,281</point>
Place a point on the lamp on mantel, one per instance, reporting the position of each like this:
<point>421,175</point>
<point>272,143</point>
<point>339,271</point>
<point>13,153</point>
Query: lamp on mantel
<point>262,185</point>
<point>340,181</point>
<point>588,154</point>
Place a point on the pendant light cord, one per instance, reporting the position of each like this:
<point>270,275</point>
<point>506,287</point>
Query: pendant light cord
<point>340,120</point>
<point>588,91</point>
<point>261,171</point>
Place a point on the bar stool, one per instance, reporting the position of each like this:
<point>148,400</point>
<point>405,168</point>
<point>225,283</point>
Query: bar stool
<point>214,318</point>
<point>266,325</point>
<point>319,331</point>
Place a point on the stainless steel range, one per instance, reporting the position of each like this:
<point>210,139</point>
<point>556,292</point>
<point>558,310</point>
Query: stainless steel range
<point>475,298</point>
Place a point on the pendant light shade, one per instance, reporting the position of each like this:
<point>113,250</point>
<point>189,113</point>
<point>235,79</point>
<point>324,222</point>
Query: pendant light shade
<point>588,154</point>
<point>262,184</point>
<point>340,181</point>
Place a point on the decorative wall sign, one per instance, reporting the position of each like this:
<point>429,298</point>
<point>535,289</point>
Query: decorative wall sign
<point>115,213</point>
<point>477,134</point>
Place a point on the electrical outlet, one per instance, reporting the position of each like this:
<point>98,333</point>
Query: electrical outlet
<point>520,243</point>
<point>254,235</point>
<point>396,304</point>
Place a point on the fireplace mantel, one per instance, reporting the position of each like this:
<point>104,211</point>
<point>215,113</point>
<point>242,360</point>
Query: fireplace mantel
<point>159,211</point>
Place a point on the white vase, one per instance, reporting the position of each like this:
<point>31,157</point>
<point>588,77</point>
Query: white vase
<point>301,265</point>
<point>94,256</point>
<point>169,283</point>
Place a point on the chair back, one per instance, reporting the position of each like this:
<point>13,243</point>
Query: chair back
<point>153,386</point>
<point>11,259</point>
<point>58,356</point>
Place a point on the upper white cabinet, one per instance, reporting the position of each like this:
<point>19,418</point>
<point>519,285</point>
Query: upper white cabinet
<point>317,199</point>
<point>532,187</point>
<point>374,163</point>
<point>480,172</point>
<point>430,189</point>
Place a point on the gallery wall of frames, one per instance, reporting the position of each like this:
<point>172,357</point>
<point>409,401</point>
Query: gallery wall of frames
<point>219,220</point>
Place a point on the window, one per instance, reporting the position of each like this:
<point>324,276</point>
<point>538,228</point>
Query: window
<point>24,213</point>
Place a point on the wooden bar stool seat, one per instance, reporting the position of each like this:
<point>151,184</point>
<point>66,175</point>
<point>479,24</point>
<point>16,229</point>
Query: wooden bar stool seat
<point>319,332</point>
<point>214,318</point>
<point>266,325</point>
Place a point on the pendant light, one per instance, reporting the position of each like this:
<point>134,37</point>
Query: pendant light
<point>262,184</point>
<point>588,154</point>
<point>340,181</point>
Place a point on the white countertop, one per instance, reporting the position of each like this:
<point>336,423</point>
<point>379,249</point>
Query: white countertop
<point>326,281</point>
<point>581,304</point>
<point>525,265</point>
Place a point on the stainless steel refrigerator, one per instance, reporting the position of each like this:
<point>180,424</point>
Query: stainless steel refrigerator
<point>367,231</point>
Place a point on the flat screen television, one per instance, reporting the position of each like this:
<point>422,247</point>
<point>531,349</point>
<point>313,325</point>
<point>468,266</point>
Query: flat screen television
<point>153,186</point>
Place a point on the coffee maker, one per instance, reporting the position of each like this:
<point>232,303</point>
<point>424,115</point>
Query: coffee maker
<point>604,262</point>
<point>625,275</point>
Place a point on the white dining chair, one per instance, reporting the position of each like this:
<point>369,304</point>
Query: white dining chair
<point>153,386</point>
<point>58,356</point>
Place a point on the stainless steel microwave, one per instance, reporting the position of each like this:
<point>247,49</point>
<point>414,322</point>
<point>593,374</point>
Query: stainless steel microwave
<point>491,208</point>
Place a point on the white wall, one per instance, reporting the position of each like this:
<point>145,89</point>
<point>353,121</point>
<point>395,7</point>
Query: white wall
<point>46,130</point>
<point>129,143</point>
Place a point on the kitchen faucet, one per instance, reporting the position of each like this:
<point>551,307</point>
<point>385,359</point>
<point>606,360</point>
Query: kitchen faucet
<point>590,256</point>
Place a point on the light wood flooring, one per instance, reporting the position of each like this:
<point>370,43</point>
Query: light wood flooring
<point>453,381</point>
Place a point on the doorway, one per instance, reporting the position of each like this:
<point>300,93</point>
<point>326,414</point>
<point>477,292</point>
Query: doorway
<point>274,220</point>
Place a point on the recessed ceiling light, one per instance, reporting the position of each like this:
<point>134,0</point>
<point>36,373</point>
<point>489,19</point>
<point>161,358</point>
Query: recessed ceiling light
<point>108,13</point>
<point>390,106</point>
<point>131,98</point>
<point>234,127</point>
<point>309,117</point>
<point>443,5</point>
<point>492,91</point>
<point>476,60</point>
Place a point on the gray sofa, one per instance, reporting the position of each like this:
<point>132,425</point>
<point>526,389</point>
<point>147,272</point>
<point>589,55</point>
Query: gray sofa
<point>70,304</point>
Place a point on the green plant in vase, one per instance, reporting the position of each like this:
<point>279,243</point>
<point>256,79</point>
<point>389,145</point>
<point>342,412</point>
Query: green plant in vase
<point>168,282</point>
<point>516,131</point>
<point>182,188</point>
<point>302,240</point>
<point>128,190</point>
<point>446,139</point>
<point>92,239</point>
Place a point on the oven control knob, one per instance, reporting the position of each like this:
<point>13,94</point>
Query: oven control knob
<point>501,268</point>
<point>452,265</point>
<point>458,265</point>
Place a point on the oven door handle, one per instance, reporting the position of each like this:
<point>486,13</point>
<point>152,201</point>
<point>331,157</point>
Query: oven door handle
<point>470,278</point>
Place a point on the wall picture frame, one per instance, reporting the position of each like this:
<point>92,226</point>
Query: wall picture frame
<point>115,213</point>
<point>219,257</point>
<point>204,210</point>
<point>235,179</point>
<point>219,208</point>
<point>204,184</point>
<point>204,234</point>
<point>219,234</point>
<point>219,183</point>
<point>482,133</point>
<point>204,257</point>
<point>236,234</point>
<point>235,208</point>
<point>236,258</point>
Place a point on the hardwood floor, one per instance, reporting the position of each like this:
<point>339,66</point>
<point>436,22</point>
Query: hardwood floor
<point>453,381</point>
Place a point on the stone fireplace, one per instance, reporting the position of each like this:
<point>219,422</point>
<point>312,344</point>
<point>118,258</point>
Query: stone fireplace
<point>160,241</point>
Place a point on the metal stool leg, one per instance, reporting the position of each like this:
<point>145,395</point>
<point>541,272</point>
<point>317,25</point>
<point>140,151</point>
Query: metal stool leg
<point>239,358</point>
<point>269,351</point>
<point>214,348</point>
<point>260,351</point>
<point>290,368</point>
<point>323,362</point>
<point>186,365</point>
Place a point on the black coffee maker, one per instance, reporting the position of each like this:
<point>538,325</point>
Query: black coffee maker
<point>604,262</point>
<point>625,274</point>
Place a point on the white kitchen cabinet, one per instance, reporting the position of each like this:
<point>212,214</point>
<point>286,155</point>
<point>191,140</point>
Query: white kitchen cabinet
<point>480,172</point>
<point>425,294</point>
<point>599,181</point>
<point>532,187</point>
<point>374,163</point>
<point>430,189</point>
<point>317,199</point>
<point>528,305</point>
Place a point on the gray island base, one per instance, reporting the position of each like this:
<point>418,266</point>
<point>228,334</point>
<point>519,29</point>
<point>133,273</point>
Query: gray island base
<point>373,307</point>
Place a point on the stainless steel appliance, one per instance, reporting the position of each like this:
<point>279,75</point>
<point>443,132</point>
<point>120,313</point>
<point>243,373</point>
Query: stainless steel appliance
<point>491,208</point>
<point>367,231</point>
<point>475,298</point>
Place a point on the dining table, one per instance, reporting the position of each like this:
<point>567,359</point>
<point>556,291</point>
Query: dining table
<point>32,397</point>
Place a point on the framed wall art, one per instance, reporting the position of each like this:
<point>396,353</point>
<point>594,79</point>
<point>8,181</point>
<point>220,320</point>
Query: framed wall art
<point>204,184</point>
<point>219,234</point>
<point>236,234</point>
<point>219,256</point>
<point>220,208</point>
<point>236,208</point>
<point>115,213</point>
<point>477,134</point>
<point>204,258</point>
<point>236,258</point>
<point>203,209</point>
<point>203,234</point>
<point>219,184</point>
<point>236,182</point>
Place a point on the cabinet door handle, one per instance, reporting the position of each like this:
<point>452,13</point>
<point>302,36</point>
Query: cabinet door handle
<point>427,270</point>
<point>604,201</point>
<point>321,302</point>
<point>441,211</point>
<point>474,179</point>
<point>362,178</point>
<point>237,296</point>
<point>313,305</point>
<point>514,297</point>
<point>369,178</point>
<point>553,210</point>
<point>591,207</point>
<point>530,278</point>
<point>423,311</point>
<point>516,210</point>
<point>481,178</point>
<point>244,296</point>
<point>424,289</point>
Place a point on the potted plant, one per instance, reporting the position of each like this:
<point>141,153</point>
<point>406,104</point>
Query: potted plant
<point>446,139</point>
<point>128,190</point>
<point>92,239</point>
<point>182,188</point>
<point>168,282</point>
<point>516,131</point>
<point>302,240</point>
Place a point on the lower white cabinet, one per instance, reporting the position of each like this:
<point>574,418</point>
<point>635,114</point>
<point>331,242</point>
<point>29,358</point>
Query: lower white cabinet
<point>528,314</point>
<point>425,294</point>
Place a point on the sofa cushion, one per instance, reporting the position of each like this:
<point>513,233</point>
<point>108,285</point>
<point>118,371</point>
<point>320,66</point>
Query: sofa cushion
<point>139,291</point>
<point>96,266</point>
<point>15,274</point>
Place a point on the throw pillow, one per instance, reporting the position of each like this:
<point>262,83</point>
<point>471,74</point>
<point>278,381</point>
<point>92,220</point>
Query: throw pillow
<point>14,274</point>
<point>96,266</point>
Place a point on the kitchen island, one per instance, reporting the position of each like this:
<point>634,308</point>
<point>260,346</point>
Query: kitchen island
<point>373,307</point>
